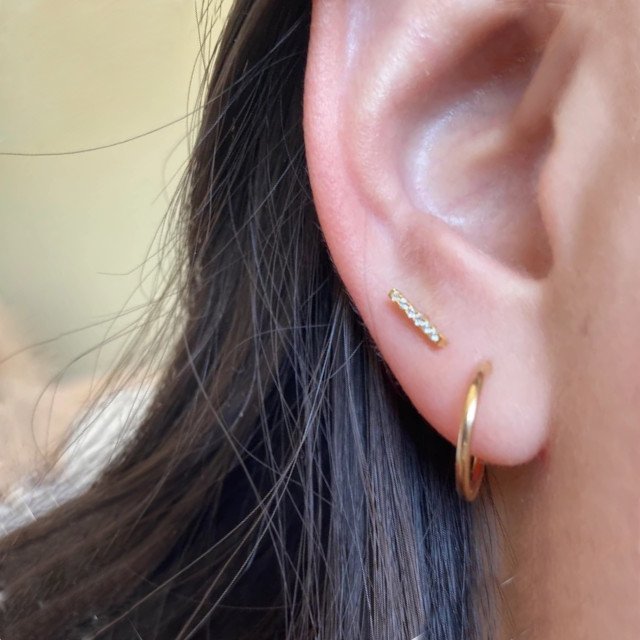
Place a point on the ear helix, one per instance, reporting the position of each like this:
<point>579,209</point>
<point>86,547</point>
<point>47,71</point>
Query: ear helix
<point>469,468</point>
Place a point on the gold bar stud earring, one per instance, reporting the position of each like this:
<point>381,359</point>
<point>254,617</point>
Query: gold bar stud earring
<point>421,321</point>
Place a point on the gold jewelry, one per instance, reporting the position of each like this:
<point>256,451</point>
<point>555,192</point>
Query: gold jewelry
<point>469,469</point>
<point>419,320</point>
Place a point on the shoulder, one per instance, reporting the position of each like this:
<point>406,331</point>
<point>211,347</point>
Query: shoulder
<point>93,441</point>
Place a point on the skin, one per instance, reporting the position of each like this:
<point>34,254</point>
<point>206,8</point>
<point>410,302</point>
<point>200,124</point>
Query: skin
<point>573,516</point>
<point>512,221</point>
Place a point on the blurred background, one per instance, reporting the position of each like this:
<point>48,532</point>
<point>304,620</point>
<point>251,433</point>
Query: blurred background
<point>76,225</point>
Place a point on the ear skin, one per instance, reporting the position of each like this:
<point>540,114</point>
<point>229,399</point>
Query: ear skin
<point>422,182</point>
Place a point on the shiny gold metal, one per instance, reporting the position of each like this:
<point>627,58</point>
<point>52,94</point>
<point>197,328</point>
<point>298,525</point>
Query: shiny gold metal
<point>421,321</point>
<point>469,469</point>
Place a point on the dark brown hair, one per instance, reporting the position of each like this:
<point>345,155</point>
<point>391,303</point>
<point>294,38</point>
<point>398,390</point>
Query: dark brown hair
<point>280,485</point>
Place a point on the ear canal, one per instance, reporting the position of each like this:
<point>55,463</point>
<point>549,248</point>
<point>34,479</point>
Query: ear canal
<point>465,163</point>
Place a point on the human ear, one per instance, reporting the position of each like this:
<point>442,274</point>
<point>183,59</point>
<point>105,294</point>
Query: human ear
<point>428,129</point>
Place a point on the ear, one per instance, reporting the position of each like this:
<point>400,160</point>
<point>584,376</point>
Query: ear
<point>427,125</point>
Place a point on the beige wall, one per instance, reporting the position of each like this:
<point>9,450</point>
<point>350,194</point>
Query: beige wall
<point>73,228</point>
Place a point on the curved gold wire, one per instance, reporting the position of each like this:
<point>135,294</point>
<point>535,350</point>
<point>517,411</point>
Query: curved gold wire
<point>469,469</point>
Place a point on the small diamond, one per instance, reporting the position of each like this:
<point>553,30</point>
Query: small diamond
<point>422,322</point>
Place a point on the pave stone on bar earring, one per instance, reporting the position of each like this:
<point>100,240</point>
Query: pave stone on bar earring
<point>419,320</point>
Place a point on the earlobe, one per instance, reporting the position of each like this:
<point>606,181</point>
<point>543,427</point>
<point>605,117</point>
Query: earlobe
<point>421,184</point>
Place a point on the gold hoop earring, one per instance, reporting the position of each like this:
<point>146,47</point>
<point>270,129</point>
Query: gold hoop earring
<point>469,469</point>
